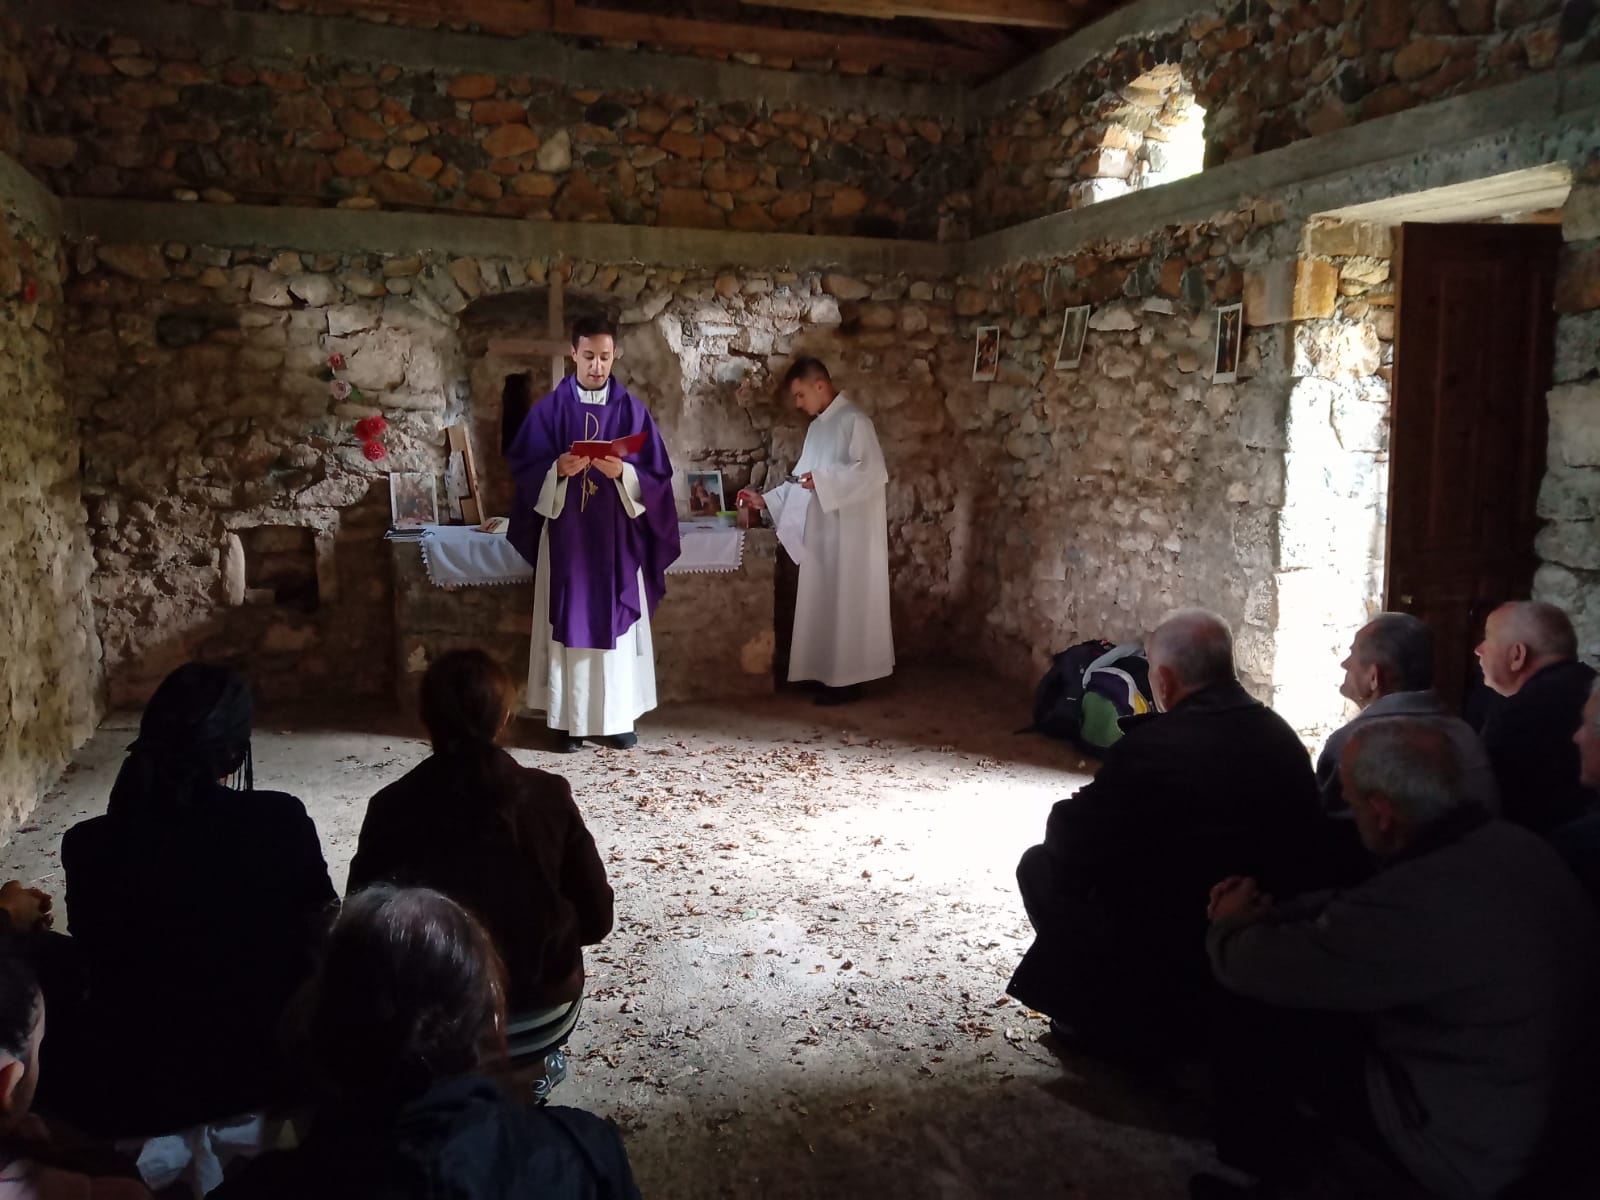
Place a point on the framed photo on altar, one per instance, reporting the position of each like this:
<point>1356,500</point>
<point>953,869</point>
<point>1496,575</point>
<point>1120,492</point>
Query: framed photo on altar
<point>986,356</point>
<point>705,493</point>
<point>1230,336</point>
<point>413,499</point>
<point>1074,329</point>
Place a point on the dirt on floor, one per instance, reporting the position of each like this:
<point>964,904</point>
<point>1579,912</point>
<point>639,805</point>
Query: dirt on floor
<point>804,994</point>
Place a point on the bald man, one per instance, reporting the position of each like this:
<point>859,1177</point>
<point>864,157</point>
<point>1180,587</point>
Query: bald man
<point>1117,891</point>
<point>1529,655</point>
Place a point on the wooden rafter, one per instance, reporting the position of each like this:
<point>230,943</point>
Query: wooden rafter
<point>566,17</point>
<point>1039,14</point>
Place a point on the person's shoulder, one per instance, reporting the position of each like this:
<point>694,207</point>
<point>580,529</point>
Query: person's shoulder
<point>598,1136</point>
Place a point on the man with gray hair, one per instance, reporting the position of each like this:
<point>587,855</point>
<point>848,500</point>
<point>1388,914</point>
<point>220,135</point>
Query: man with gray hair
<point>1437,1012</point>
<point>1116,892</point>
<point>1388,674</point>
<point>1529,655</point>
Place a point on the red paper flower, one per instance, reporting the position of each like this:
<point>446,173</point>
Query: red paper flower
<point>374,451</point>
<point>369,428</point>
<point>336,361</point>
<point>30,291</point>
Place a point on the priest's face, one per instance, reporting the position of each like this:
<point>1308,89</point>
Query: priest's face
<point>811,396</point>
<point>594,356</point>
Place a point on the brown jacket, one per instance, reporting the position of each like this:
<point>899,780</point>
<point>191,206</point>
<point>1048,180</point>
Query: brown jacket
<point>507,842</point>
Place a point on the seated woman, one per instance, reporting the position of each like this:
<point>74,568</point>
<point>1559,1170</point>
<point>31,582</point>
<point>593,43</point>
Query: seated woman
<point>506,841</point>
<point>33,1164</point>
<point>408,1003</point>
<point>196,904</point>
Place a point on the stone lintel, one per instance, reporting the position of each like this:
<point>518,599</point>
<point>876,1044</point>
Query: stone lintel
<point>352,231</point>
<point>288,38</point>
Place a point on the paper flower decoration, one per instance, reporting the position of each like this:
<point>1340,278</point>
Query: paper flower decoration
<point>370,428</point>
<point>30,291</point>
<point>335,361</point>
<point>340,390</point>
<point>374,451</point>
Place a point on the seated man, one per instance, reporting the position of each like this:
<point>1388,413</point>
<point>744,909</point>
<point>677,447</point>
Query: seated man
<point>32,1165</point>
<point>1529,654</point>
<point>1437,1012</point>
<point>1389,673</point>
<point>1117,891</point>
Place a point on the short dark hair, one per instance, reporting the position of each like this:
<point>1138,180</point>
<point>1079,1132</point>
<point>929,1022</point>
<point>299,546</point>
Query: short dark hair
<point>410,991</point>
<point>1401,646</point>
<point>592,327</point>
<point>465,699</point>
<point>806,368</point>
<point>19,1006</point>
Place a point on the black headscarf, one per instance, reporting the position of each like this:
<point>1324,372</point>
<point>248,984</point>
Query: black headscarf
<point>194,732</point>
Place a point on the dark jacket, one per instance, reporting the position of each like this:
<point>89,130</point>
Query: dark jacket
<point>195,927</point>
<point>463,1140</point>
<point>1470,959</point>
<point>1529,740</point>
<point>507,842</point>
<point>1218,786</point>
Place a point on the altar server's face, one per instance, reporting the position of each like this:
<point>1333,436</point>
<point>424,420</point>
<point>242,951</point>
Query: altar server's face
<point>594,356</point>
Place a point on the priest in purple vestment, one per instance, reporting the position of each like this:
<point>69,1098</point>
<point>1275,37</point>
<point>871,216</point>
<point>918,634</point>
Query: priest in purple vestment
<point>600,533</point>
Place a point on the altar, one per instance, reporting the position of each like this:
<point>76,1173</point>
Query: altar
<point>713,632</point>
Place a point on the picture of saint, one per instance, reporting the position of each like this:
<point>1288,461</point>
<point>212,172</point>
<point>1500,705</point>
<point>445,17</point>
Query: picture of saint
<point>986,360</point>
<point>1074,329</point>
<point>705,493</point>
<point>1230,330</point>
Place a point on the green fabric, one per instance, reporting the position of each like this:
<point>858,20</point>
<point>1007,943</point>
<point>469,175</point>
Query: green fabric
<point>1100,715</point>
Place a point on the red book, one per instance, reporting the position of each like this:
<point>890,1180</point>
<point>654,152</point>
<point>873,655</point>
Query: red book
<point>620,448</point>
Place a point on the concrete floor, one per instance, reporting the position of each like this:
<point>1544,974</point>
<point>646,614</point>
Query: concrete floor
<point>816,921</point>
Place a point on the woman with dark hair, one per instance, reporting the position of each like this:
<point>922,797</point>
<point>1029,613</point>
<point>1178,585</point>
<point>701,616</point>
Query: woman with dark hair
<point>407,1005</point>
<point>506,841</point>
<point>196,904</point>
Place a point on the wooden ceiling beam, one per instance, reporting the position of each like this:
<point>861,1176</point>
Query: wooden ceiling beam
<point>1036,14</point>
<point>682,33</point>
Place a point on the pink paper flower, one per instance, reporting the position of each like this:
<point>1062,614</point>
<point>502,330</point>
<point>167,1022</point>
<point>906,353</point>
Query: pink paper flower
<point>336,361</point>
<point>374,451</point>
<point>339,390</point>
<point>369,428</point>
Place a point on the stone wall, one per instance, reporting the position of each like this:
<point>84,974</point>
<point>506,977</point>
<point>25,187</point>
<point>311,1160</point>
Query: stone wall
<point>162,118</point>
<point>49,655</point>
<point>1265,75</point>
<point>208,420</point>
<point>1569,545</point>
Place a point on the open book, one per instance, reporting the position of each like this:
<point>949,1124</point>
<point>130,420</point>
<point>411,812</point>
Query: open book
<point>620,448</point>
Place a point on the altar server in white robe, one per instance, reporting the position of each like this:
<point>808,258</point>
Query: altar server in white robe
<point>832,518</point>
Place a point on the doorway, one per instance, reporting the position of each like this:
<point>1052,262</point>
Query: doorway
<point>1474,347</point>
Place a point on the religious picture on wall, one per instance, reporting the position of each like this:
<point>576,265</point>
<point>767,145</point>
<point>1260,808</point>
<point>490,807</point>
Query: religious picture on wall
<point>705,493</point>
<point>1230,336</point>
<point>1074,328</point>
<point>986,359</point>
<point>413,499</point>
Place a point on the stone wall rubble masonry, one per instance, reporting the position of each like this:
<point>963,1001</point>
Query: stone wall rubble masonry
<point>198,370</point>
<point>1265,76</point>
<point>162,119</point>
<point>49,654</point>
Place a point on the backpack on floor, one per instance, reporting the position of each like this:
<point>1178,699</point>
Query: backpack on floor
<point>1115,685</point>
<point>1058,700</point>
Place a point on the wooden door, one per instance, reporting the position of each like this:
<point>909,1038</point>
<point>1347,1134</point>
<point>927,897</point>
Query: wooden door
<point>1474,346</point>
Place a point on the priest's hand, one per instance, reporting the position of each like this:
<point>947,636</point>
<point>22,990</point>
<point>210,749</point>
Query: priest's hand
<point>610,467</point>
<point>1237,896</point>
<point>807,482</point>
<point>569,465</point>
<point>750,499</point>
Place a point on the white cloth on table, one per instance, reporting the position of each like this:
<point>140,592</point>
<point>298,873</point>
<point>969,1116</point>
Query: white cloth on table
<point>839,536</point>
<point>460,556</point>
<point>588,692</point>
<point>708,550</point>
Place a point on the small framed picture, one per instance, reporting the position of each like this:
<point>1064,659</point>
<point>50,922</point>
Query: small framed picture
<point>413,499</point>
<point>986,358</point>
<point>1074,328</point>
<point>705,493</point>
<point>1230,335</point>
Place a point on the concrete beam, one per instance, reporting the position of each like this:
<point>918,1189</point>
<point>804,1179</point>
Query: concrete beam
<point>1540,119</point>
<point>22,193</point>
<point>291,39</point>
<point>1044,71</point>
<point>322,230</point>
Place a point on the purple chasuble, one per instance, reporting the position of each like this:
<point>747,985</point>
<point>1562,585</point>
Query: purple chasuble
<point>596,549</point>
